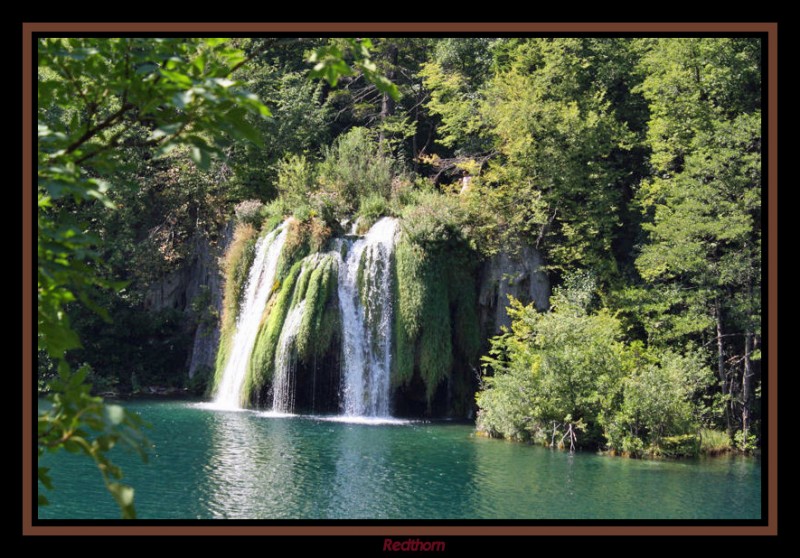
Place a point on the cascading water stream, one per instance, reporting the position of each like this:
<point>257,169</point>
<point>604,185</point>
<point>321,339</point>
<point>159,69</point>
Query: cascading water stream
<point>283,387</point>
<point>365,299</point>
<point>259,286</point>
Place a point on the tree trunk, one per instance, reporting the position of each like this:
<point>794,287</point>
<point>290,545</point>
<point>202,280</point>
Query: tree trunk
<point>721,367</point>
<point>387,103</point>
<point>747,374</point>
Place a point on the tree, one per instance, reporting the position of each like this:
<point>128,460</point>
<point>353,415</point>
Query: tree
<point>395,113</point>
<point>703,205</point>
<point>455,77</point>
<point>561,167</point>
<point>302,114</point>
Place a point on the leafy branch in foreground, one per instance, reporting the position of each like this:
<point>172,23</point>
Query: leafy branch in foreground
<point>97,98</point>
<point>80,423</point>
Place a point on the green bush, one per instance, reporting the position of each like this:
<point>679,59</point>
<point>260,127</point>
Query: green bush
<point>273,214</point>
<point>354,166</point>
<point>435,218</point>
<point>371,207</point>
<point>748,445</point>
<point>657,398</point>
<point>570,365</point>
<point>556,367</point>
<point>296,180</point>
<point>327,206</point>
<point>714,442</point>
<point>632,446</point>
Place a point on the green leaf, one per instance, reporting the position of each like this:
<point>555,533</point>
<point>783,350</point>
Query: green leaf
<point>146,68</point>
<point>224,82</point>
<point>166,130</point>
<point>182,99</point>
<point>123,495</point>
<point>177,77</point>
<point>200,157</point>
<point>214,42</point>
<point>44,477</point>
<point>115,414</point>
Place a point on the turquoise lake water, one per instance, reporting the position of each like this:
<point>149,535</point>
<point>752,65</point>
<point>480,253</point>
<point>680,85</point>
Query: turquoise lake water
<point>209,464</point>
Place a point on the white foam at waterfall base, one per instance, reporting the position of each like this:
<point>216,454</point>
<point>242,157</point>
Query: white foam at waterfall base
<point>284,383</point>
<point>367,321</point>
<point>259,286</point>
<point>367,421</point>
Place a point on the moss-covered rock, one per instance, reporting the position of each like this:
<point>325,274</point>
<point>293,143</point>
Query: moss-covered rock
<point>236,268</point>
<point>320,317</point>
<point>262,360</point>
<point>436,322</point>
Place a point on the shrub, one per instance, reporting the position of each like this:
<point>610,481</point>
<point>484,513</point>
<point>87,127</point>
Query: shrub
<point>318,234</point>
<point>249,212</point>
<point>435,218</point>
<point>356,165</point>
<point>328,206</point>
<point>748,445</point>
<point>273,214</point>
<point>296,180</point>
<point>714,442</point>
<point>657,397</point>
<point>372,207</point>
<point>556,367</point>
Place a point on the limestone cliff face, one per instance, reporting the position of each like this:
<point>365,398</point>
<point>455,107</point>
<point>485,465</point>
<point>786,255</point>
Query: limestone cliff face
<point>519,274</point>
<point>196,289</point>
<point>206,284</point>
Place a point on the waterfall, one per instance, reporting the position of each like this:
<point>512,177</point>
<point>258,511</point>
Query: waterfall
<point>259,286</point>
<point>365,298</point>
<point>284,385</point>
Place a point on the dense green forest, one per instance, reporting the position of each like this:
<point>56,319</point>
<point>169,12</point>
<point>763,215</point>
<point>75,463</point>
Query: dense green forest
<point>631,165</point>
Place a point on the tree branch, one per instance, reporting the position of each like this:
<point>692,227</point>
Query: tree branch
<point>109,121</point>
